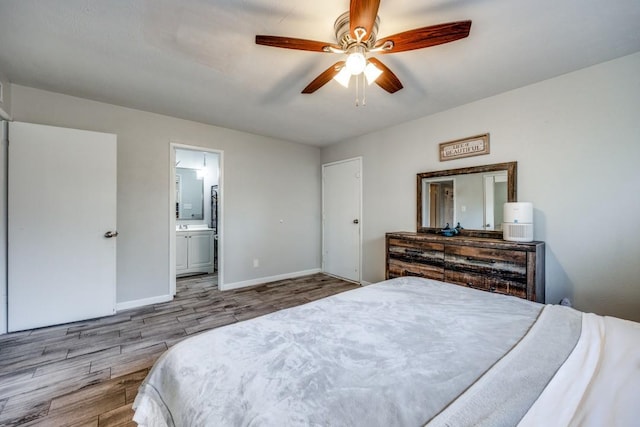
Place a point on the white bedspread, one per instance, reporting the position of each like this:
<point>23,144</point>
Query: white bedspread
<point>391,354</point>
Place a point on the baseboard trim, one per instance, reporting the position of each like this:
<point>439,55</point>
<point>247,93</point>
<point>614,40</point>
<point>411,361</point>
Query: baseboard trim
<point>261,280</point>
<point>127,305</point>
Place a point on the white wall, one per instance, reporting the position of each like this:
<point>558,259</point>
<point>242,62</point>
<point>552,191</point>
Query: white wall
<point>5,99</point>
<point>576,139</point>
<point>266,180</point>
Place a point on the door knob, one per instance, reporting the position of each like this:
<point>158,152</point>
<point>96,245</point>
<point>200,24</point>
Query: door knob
<point>110,234</point>
<point>356,221</point>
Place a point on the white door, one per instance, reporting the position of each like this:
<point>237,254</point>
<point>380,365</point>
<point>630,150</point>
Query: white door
<point>341,218</point>
<point>61,202</point>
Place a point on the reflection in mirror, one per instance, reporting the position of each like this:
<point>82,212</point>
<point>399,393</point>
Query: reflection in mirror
<point>473,197</point>
<point>438,203</point>
<point>189,194</point>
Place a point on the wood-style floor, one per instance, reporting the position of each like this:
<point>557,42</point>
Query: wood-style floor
<point>88,373</point>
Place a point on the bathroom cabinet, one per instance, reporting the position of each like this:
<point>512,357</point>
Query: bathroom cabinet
<point>194,252</point>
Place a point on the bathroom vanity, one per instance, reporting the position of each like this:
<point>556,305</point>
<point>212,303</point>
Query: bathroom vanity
<point>194,251</point>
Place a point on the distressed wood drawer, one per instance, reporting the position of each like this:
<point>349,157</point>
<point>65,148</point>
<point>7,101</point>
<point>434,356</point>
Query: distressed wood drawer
<point>486,283</point>
<point>398,268</point>
<point>420,252</point>
<point>506,264</point>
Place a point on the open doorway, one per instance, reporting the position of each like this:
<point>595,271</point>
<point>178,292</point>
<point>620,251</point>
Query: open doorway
<point>195,211</point>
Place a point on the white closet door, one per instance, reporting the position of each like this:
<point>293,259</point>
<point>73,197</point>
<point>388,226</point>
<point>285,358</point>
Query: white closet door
<point>341,218</point>
<point>61,202</point>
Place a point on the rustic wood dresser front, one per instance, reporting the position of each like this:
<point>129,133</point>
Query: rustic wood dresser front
<point>492,265</point>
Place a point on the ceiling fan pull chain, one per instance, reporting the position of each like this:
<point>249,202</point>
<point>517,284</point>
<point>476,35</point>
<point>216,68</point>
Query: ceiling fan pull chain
<point>357,91</point>
<point>364,91</point>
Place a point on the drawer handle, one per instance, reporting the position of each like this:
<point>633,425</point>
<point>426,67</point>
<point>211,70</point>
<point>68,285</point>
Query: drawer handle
<point>413,251</point>
<point>491,289</point>
<point>492,261</point>
<point>411,273</point>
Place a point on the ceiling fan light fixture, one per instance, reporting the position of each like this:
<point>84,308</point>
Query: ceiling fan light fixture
<point>371,72</point>
<point>343,77</point>
<point>356,62</point>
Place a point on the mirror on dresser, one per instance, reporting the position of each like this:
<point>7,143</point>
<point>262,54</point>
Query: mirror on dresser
<point>471,196</point>
<point>189,194</point>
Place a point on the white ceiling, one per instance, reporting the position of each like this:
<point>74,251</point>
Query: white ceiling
<point>197,59</point>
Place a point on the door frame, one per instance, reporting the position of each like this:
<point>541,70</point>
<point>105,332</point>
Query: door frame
<point>488,197</point>
<point>426,207</point>
<point>173,145</point>
<point>360,239</point>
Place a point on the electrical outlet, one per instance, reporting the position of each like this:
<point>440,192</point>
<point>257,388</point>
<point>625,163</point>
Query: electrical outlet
<point>256,263</point>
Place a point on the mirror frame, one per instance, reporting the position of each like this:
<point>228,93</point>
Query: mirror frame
<point>512,185</point>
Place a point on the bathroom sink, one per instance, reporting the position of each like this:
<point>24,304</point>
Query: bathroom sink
<point>193,227</point>
<point>198,227</point>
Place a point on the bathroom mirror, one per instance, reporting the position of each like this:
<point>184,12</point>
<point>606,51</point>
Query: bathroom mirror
<point>189,194</point>
<point>471,196</point>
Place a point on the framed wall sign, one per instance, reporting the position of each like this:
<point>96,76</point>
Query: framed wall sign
<point>465,147</point>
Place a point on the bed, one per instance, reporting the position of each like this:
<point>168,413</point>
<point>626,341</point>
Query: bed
<point>403,352</point>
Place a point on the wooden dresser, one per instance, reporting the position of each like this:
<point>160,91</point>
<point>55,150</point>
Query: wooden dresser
<point>492,265</point>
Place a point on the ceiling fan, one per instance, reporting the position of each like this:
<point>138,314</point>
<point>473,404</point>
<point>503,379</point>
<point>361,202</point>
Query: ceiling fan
<point>356,32</point>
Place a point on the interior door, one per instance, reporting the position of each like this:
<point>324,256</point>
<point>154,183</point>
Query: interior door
<point>341,201</point>
<point>61,203</point>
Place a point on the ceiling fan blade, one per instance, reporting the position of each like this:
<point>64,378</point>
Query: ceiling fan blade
<point>426,36</point>
<point>387,80</point>
<point>292,43</point>
<point>324,78</point>
<point>362,14</point>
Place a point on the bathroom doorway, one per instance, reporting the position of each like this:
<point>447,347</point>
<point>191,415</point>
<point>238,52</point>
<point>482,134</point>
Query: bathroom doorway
<point>195,212</point>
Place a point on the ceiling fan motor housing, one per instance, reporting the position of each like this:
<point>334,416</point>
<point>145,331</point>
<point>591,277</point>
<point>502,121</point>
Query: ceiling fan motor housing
<point>343,34</point>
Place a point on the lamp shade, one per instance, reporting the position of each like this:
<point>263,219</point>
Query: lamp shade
<point>372,72</point>
<point>343,77</point>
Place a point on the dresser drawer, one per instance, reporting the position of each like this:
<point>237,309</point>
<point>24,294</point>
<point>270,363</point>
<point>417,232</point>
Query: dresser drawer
<point>471,280</point>
<point>487,283</point>
<point>399,268</point>
<point>416,252</point>
<point>509,265</point>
